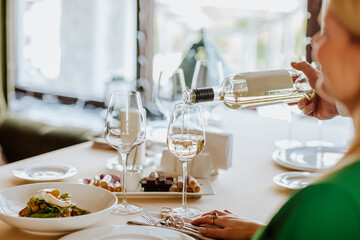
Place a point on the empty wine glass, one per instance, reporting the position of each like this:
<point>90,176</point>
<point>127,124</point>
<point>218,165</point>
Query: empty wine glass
<point>207,76</point>
<point>320,142</point>
<point>185,140</point>
<point>169,90</point>
<point>125,130</point>
<point>290,142</point>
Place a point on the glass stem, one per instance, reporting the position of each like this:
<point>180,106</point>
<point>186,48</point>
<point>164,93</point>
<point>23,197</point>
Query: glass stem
<point>320,144</point>
<point>320,135</point>
<point>291,123</point>
<point>124,157</point>
<point>184,198</point>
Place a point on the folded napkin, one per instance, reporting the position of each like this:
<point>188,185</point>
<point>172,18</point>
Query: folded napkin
<point>201,166</point>
<point>141,221</point>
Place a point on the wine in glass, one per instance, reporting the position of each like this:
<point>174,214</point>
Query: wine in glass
<point>185,140</point>
<point>125,130</point>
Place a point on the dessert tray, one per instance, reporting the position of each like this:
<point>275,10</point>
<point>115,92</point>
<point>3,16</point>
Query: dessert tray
<point>206,188</point>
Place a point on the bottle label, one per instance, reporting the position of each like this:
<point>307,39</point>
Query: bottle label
<point>260,82</point>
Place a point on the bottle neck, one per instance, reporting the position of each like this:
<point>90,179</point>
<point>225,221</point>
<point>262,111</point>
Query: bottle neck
<point>199,95</point>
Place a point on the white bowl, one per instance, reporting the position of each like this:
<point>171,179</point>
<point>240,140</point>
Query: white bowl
<point>98,201</point>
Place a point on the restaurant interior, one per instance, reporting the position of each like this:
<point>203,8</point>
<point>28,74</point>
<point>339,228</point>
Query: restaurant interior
<point>92,113</point>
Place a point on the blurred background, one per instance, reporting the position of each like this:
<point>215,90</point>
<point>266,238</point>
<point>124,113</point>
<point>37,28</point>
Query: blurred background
<point>82,49</point>
<point>62,58</point>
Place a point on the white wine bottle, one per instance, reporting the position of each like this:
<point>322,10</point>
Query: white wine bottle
<point>254,89</point>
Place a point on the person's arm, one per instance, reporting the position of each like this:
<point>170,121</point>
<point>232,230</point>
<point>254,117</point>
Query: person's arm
<point>322,211</point>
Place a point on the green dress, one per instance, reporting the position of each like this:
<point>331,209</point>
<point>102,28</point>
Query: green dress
<point>329,209</point>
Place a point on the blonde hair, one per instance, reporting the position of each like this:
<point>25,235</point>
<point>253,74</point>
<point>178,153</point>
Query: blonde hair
<point>347,12</point>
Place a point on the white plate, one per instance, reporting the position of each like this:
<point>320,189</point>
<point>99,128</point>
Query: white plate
<point>127,232</point>
<point>98,201</point>
<point>308,158</point>
<point>295,180</point>
<point>206,188</point>
<point>45,172</point>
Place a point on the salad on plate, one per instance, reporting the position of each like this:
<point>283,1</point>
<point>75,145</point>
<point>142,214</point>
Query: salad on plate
<point>50,203</point>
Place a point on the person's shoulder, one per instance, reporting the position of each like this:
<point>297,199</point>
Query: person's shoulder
<point>315,212</point>
<point>347,178</point>
<point>316,193</point>
<point>350,171</point>
<point>343,185</point>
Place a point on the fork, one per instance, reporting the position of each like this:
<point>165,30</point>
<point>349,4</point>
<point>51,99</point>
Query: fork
<point>152,221</point>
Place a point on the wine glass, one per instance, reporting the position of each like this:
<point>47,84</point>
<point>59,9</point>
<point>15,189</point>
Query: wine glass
<point>290,142</point>
<point>169,90</point>
<point>207,76</point>
<point>125,130</point>
<point>185,140</point>
<point>320,142</point>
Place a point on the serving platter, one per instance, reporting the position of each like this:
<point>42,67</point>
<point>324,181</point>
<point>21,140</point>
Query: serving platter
<point>206,188</point>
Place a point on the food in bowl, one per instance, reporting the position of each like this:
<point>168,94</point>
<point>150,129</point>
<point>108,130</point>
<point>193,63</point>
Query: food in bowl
<point>50,203</point>
<point>97,200</point>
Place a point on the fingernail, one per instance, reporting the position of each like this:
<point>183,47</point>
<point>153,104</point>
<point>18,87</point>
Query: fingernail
<point>202,230</point>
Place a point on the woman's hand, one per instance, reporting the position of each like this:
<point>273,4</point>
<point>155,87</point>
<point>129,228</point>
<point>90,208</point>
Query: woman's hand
<point>229,226</point>
<point>317,107</point>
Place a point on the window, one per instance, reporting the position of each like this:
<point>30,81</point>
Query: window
<point>74,48</point>
<point>249,35</point>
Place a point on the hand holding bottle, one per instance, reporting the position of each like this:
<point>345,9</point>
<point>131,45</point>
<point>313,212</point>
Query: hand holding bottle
<point>316,107</point>
<point>254,89</point>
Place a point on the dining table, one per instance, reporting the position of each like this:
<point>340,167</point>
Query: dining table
<point>246,188</point>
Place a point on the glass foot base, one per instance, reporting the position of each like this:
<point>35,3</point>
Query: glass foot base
<point>126,209</point>
<point>188,212</point>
